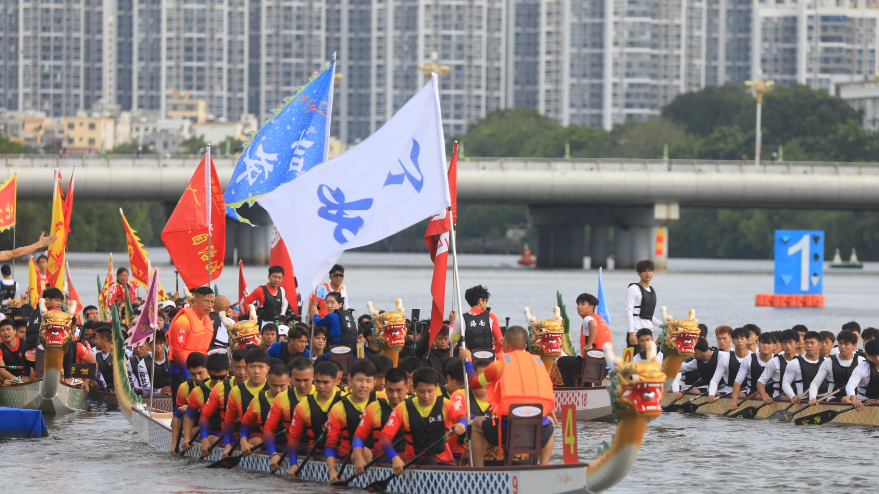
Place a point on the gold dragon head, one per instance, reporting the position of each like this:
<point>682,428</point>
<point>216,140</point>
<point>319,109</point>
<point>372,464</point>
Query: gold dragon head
<point>243,333</point>
<point>679,336</point>
<point>56,329</point>
<point>636,387</point>
<point>389,328</point>
<point>546,335</point>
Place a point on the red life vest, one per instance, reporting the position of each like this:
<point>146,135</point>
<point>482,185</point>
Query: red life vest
<point>602,333</point>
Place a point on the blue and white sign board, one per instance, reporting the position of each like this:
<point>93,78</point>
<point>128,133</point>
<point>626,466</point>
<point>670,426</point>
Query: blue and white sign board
<point>799,262</point>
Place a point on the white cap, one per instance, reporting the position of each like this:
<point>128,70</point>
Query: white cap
<point>168,303</point>
<point>282,330</point>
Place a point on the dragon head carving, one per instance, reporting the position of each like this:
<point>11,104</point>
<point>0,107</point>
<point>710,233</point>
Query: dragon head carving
<point>57,327</point>
<point>546,335</point>
<point>679,336</point>
<point>243,333</point>
<point>389,328</point>
<point>636,387</point>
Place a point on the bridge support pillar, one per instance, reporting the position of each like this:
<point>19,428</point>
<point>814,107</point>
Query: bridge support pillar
<point>600,250</point>
<point>623,257</point>
<point>252,242</point>
<point>560,232</point>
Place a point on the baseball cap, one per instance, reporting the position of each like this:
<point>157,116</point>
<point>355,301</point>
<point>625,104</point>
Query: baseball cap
<point>282,330</point>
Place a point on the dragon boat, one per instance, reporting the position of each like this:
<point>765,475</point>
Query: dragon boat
<point>868,416</point>
<point>50,394</point>
<point>635,390</point>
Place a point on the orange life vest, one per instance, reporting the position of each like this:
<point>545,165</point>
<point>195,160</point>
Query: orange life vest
<point>196,339</point>
<point>524,380</point>
<point>602,336</point>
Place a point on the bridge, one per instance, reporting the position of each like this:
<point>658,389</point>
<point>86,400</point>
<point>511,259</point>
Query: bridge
<point>636,199</point>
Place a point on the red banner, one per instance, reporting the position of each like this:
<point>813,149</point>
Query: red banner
<point>437,239</point>
<point>8,192</point>
<point>242,284</point>
<point>281,257</point>
<point>453,184</point>
<point>186,233</point>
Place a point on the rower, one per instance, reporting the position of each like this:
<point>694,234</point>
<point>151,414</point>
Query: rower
<point>366,438</point>
<point>478,328</point>
<point>104,358</point>
<point>594,333</point>
<point>754,333</point>
<point>345,415</point>
<point>723,335</point>
<point>855,328</point>
<point>826,348</point>
<point>271,297</point>
<point>383,364</point>
<point>775,368</point>
<point>704,363</point>
<point>302,377</point>
<point>190,331</point>
<point>645,335</point>
<point>641,296</point>
<point>12,353</point>
<point>307,416</point>
<point>751,369</point>
<point>409,365</point>
<point>454,378</point>
<point>515,369</point>
<point>269,335</point>
<point>729,363</point>
<point>802,370</point>
<point>423,419</point>
<point>196,364</point>
<point>244,392</point>
<point>801,331</point>
<point>217,366</point>
<point>836,370</point>
<point>869,334</point>
<point>479,407</point>
<point>295,347</point>
<point>864,382</point>
<point>341,324</point>
<point>258,411</point>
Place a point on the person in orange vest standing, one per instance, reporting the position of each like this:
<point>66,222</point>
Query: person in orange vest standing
<point>516,377</point>
<point>190,331</point>
<point>594,333</point>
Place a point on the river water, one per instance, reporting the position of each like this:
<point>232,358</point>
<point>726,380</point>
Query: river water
<point>97,451</point>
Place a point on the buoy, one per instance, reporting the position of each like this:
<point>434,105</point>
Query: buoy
<point>853,259</point>
<point>781,301</point>
<point>837,259</point>
<point>527,259</point>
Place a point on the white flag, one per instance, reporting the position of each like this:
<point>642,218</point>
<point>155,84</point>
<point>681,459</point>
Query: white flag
<point>390,181</point>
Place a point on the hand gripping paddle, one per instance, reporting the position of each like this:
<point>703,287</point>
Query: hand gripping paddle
<point>382,485</point>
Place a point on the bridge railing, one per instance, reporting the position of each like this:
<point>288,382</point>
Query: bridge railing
<point>494,164</point>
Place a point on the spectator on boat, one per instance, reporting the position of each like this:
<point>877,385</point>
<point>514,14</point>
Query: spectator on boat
<point>190,331</point>
<point>337,277</point>
<point>864,382</point>
<point>345,415</point>
<point>271,298</point>
<point>295,347</point>
<point>303,417</point>
<point>366,444</point>
<point>12,354</point>
<point>519,366</point>
<point>268,336</point>
<point>478,328</point>
<point>641,298</point>
<point>253,420</point>
<point>594,333</point>
<point>244,392</point>
<point>836,370</point>
<point>104,358</point>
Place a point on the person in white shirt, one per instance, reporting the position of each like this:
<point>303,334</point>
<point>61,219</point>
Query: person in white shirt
<point>703,363</point>
<point>751,369</point>
<point>641,302</point>
<point>645,336</point>
<point>837,369</point>
<point>754,333</point>
<point>9,288</point>
<point>768,384</point>
<point>729,363</point>
<point>864,383</point>
<point>802,370</point>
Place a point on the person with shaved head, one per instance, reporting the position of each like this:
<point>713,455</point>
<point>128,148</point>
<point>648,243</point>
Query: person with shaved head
<point>220,340</point>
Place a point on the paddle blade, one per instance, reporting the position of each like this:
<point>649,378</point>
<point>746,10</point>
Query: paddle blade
<point>228,462</point>
<point>379,485</point>
<point>817,418</point>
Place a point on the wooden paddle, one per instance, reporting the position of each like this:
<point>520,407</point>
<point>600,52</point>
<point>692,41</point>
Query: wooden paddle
<point>751,412</point>
<point>195,432</point>
<point>785,415</point>
<point>726,414</point>
<point>825,416</point>
<point>205,454</point>
<point>684,407</point>
<point>233,461</point>
<point>381,485</point>
<point>310,454</point>
<point>667,407</point>
<point>344,483</point>
<point>692,407</point>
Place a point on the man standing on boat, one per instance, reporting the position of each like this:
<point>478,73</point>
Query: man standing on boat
<point>478,328</point>
<point>190,331</point>
<point>271,297</point>
<point>641,302</point>
<point>337,276</point>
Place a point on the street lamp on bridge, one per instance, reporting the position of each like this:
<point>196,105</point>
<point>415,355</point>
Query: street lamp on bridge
<point>759,86</point>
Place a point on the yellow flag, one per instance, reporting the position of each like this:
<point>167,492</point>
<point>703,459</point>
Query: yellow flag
<point>33,292</point>
<point>56,250</point>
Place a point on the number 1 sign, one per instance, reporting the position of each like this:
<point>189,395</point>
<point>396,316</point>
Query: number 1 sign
<point>799,262</point>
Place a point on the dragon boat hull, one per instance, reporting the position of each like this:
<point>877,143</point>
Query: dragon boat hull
<point>66,399</point>
<point>869,416</point>
<point>551,479</point>
<point>591,403</point>
<point>161,403</point>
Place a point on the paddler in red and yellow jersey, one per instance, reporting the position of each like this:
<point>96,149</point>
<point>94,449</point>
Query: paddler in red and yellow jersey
<point>210,413</point>
<point>253,420</point>
<point>190,331</point>
<point>516,377</point>
<point>345,415</point>
<point>424,420</point>
<point>308,417</point>
<point>196,363</point>
<point>243,393</point>
<point>366,437</point>
<point>217,369</point>
<point>479,407</point>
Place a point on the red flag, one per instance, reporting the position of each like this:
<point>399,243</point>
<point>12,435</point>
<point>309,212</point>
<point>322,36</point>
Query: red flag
<point>186,233</point>
<point>242,285</point>
<point>74,297</point>
<point>281,257</point>
<point>8,193</point>
<point>68,203</point>
<point>437,240</point>
<point>453,184</point>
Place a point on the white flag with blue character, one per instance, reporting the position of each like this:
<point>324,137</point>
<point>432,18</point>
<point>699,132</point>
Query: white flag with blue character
<point>390,181</point>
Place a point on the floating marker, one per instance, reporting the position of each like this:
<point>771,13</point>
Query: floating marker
<point>785,238</point>
<point>786,279</point>
<point>815,279</point>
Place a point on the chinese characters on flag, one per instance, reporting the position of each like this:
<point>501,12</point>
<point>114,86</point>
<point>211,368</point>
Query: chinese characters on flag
<point>137,256</point>
<point>7,203</point>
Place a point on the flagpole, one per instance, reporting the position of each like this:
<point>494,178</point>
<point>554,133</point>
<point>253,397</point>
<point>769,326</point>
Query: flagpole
<point>207,178</point>
<point>153,370</point>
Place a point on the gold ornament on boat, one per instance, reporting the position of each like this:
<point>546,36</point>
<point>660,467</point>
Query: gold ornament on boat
<point>546,336</point>
<point>243,333</point>
<point>389,330</point>
<point>56,329</point>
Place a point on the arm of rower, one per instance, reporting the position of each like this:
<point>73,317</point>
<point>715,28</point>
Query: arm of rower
<point>851,388</point>
<point>768,370</point>
<point>790,375</point>
<point>496,332</point>
<point>721,371</point>
<point>736,389</point>
<point>819,378</point>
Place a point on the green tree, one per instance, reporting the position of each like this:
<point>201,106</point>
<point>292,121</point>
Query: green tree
<point>700,112</point>
<point>8,147</point>
<point>508,133</point>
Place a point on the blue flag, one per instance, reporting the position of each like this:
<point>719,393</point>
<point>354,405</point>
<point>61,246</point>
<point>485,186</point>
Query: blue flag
<point>289,144</point>
<point>602,309</point>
